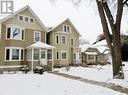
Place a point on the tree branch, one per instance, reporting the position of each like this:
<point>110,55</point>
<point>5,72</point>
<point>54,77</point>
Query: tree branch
<point>119,14</point>
<point>125,2</point>
<point>104,24</point>
<point>109,15</point>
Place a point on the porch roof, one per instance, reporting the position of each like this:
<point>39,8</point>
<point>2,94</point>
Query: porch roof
<point>41,45</point>
<point>91,53</point>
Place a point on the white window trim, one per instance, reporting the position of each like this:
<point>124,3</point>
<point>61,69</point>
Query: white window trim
<point>10,57</point>
<point>15,26</point>
<point>58,55</point>
<point>63,51</point>
<point>56,39</point>
<point>65,39</point>
<point>39,36</point>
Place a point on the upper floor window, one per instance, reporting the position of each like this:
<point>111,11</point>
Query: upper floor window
<point>57,39</point>
<point>14,54</point>
<point>31,20</point>
<point>63,39</point>
<point>15,33</point>
<point>26,19</point>
<point>37,36</point>
<point>21,18</point>
<point>66,28</point>
<point>72,42</point>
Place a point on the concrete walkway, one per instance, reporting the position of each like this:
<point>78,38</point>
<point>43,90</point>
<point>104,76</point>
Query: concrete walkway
<point>103,84</point>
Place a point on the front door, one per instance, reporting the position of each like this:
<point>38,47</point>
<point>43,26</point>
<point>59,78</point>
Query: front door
<point>43,59</point>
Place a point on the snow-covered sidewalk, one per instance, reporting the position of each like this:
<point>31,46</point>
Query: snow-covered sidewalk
<point>95,73</point>
<point>48,84</point>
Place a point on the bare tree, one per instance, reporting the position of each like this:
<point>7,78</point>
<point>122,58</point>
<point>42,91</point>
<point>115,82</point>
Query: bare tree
<point>113,42</point>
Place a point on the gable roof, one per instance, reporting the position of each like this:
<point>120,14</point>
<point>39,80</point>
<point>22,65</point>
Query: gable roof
<point>22,9</point>
<point>63,22</point>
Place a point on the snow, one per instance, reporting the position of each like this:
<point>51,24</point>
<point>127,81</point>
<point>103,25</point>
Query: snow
<point>41,45</point>
<point>98,73</point>
<point>48,84</point>
<point>91,53</point>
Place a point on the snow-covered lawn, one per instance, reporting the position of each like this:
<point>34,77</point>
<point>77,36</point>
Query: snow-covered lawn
<point>48,84</point>
<point>95,73</point>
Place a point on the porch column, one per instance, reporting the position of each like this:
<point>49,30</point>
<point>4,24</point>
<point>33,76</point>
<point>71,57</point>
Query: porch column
<point>32,59</point>
<point>52,59</point>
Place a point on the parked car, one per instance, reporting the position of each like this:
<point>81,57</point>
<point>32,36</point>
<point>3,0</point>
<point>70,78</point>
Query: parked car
<point>38,69</point>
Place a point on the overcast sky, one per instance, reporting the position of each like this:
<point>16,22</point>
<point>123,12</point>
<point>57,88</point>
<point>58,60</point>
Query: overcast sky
<point>84,17</point>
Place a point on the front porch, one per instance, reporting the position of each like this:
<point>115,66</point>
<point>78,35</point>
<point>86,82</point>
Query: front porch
<point>39,53</point>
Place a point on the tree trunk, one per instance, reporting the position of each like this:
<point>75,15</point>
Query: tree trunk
<point>115,48</point>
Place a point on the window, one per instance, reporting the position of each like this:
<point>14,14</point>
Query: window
<point>37,36</point>
<point>26,19</point>
<point>72,42</point>
<point>66,28</point>
<point>57,55</point>
<point>22,54</point>
<point>74,55</point>
<point>63,39</point>
<point>64,55</point>
<point>91,57</point>
<point>15,33</point>
<point>7,54</point>
<point>8,32</point>
<point>36,54</point>
<point>21,18</point>
<point>15,54</point>
<point>49,54</point>
<point>43,54</point>
<point>57,39</point>
<point>31,20</point>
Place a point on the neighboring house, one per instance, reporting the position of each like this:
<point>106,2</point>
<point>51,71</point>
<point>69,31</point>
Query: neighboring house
<point>94,56</point>
<point>23,40</point>
<point>65,37</point>
<point>90,56</point>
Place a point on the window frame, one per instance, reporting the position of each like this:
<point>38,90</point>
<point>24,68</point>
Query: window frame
<point>39,36</point>
<point>62,39</point>
<point>64,51</point>
<point>22,37</point>
<point>19,18</point>
<point>29,19</point>
<point>72,42</point>
<point>51,55</point>
<point>56,39</point>
<point>66,28</point>
<point>10,53</point>
<point>58,55</point>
